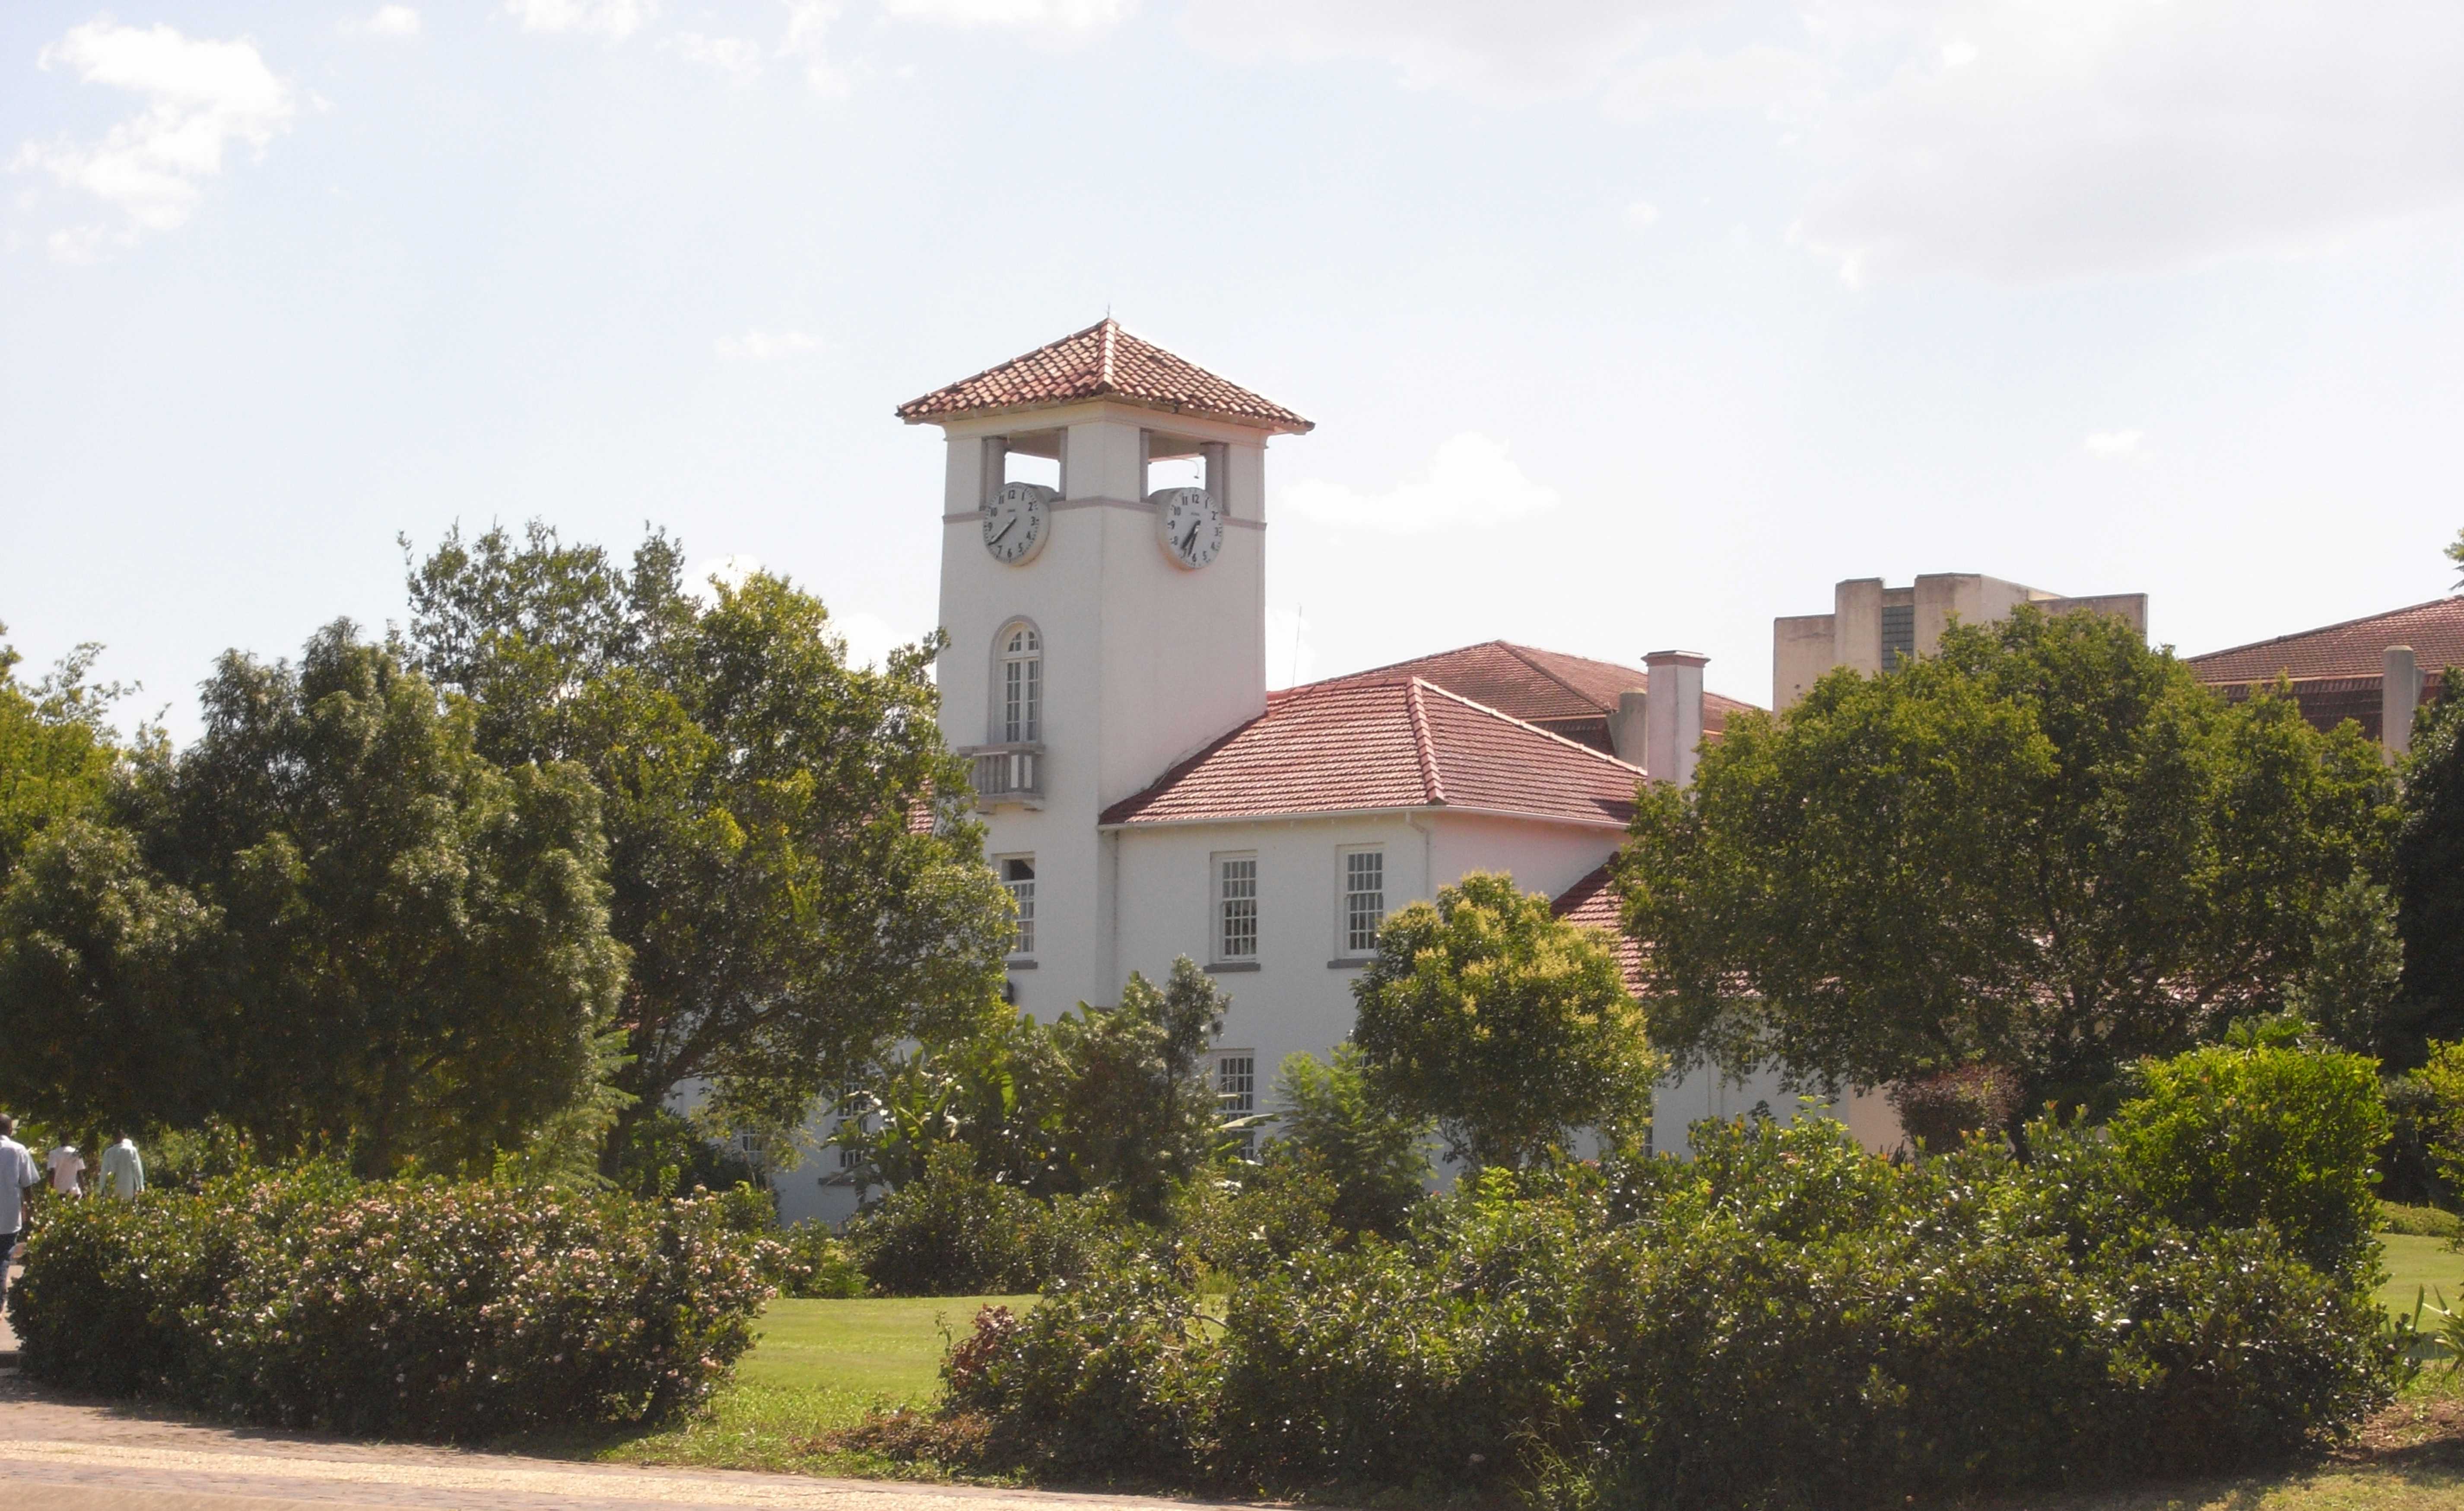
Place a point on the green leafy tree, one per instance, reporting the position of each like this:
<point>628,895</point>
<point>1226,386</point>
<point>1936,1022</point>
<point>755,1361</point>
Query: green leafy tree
<point>1374,1159</point>
<point>997,1089</point>
<point>2045,848</point>
<point>1139,1112</point>
<point>57,752</point>
<point>1509,1027</point>
<point>2350,987</point>
<point>2429,880</point>
<point>330,921</point>
<point>789,919</point>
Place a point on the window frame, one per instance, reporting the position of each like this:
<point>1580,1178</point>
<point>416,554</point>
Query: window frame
<point>1344,948</point>
<point>1218,906</point>
<point>1248,1104</point>
<point>1004,729</point>
<point>1023,944</point>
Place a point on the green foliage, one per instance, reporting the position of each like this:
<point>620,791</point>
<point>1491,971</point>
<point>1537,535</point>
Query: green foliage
<point>787,920</point>
<point>2442,1119</point>
<point>1374,1160</point>
<point>2428,879</point>
<point>663,1154</point>
<point>2420,1222</point>
<point>2355,974</point>
<point>330,921</point>
<point>1784,1321</point>
<point>814,1263</point>
<point>2045,847</point>
<point>957,1232</point>
<point>422,1310</point>
<point>1941,1111</point>
<point>2226,1137</point>
<point>1511,1028</point>
<point>1111,1376</point>
<point>58,756</point>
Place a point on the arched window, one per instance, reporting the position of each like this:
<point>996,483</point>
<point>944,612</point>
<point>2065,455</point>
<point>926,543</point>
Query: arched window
<point>1022,685</point>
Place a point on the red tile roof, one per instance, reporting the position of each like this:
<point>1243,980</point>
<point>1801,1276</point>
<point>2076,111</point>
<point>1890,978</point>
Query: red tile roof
<point>1352,744</point>
<point>2354,648</point>
<point>1573,696</point>
<point>1594,902</point>
<point>1102,361</point>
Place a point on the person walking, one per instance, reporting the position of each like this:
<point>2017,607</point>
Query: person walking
<point>17,1177</point>
<point>124,1173</point>
<point>68,1169</point>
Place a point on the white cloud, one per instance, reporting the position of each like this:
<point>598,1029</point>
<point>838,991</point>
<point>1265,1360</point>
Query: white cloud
<point>2116,445</point>
<point>1641,214</point>
<point>613,19</point>
<point>1777,80</point>
<point>738,59</point>
<point>1470,481</point>
<point>200,96</point>
<point>869,638</point>
<point>1531,50</point>
<point>764,345</point>
<point>806,38</point>
<point>1057,15</point>
<point>392,20</point>
<point>2102,136</point>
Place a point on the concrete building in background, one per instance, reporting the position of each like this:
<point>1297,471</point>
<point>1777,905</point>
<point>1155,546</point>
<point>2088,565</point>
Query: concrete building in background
<point>1870,626</point>
<point>2375,669</point>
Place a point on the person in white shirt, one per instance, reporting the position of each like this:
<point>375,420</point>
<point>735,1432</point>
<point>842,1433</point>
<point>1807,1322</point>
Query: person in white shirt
<point>68,1168</point>
<point>17,1177</point>
<point>124,1173</point>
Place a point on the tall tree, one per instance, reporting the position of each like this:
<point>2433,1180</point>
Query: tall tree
<point>1509,1027</point>
<point>1139,1112</point>
<point>2045,848</point>
<point>788,918</point>
<point>2428,882</point>
<point>330,920</point>
<point>57,752</point>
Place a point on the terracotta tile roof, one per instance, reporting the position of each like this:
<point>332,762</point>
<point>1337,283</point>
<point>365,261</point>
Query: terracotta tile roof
<point>1594,902</point>
<point>2328,702</point>
<point>1573,696</point>
<point>1102,361</point>
<point>2354,648</point>
<point>1347,745</point>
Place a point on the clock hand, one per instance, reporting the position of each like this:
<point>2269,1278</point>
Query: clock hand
<point>1004,530</point>
<point>1189,541</point>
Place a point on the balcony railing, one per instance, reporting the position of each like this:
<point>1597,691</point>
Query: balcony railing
<point>1008,773</point>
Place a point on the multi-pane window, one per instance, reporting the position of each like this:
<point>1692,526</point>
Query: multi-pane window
<point>1898,633</point>
<point>1236,1088</point>
<point>1018,875</point>
<point>1364,900</point>
<point>1235,907</point>
<point>1022,685</point>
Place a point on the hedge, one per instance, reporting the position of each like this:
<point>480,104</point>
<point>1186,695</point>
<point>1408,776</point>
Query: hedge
<point>415,1310</point>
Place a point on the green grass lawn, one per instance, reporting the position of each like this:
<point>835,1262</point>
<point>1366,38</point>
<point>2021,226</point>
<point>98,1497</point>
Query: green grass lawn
<point>2416,1264</point>
<point>817,1366</point>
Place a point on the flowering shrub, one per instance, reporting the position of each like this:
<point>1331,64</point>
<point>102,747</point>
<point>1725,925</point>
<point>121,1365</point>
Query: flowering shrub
<point>814,1263</point>
<point>1785,1319</point>
<point>407,1310</point>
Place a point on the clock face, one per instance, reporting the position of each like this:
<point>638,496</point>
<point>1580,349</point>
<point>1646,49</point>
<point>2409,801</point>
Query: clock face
<point>1189,524</point>
<point>1017,521</point>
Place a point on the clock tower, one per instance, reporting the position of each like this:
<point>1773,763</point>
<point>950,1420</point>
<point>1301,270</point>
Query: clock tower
<point>1100,627</point>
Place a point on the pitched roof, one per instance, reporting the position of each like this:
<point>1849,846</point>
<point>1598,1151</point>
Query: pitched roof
<point>1592,903</point>
<point>2354,648</point>
<point>1541,687</point>
<point>1102,361</point>
<point>1347,745</point>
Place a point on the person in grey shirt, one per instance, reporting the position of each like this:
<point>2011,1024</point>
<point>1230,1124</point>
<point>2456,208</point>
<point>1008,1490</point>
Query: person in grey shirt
<point>124,1173</point>
<point>17,1176</point>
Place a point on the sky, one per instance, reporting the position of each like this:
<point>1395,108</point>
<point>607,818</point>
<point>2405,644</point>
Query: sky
<point>1624,325</point>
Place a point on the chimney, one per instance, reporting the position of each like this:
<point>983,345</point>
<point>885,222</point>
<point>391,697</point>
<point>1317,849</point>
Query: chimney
<point>1672,715</point>
<point>1628,728</point>
<point>2399,693</point>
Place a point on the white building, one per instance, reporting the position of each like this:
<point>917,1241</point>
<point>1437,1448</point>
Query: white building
<point>1144,795</point>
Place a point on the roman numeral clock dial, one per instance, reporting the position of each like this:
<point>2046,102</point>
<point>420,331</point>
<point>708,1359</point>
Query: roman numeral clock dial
<point>1189,525</point>
<point>1017,521</point>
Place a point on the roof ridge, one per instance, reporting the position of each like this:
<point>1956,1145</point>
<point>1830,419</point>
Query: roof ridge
<point>1389,666</point>
<point>1109,332</point>
<point>2341,624</point>
<point>1525,723</point>
<point>1518,651</point>
<point>1422,746</point>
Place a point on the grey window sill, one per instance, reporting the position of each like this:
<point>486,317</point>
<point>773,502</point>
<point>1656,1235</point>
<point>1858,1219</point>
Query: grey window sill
<point>1019,965</point>
<point>1355,963</point>
<point>1232,964</point>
